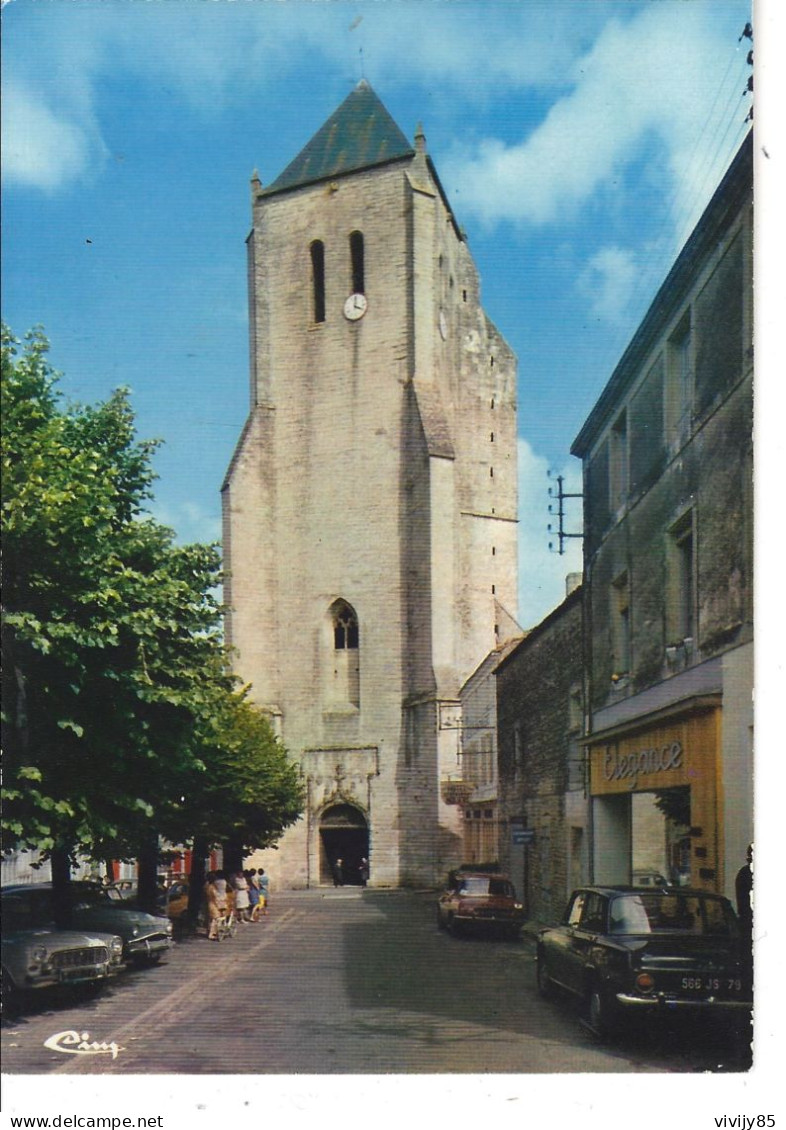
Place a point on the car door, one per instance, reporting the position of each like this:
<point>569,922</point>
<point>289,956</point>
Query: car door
<point>558,941</point>
<point>582,938</point>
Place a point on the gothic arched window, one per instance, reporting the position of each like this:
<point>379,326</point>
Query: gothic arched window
<point>343,664</point>
<point>345,627</point>
<point>318,279</point>
<point>358,264</point>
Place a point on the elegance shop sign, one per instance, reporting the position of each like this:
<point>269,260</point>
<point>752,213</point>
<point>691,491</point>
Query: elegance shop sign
<point>629,767</point>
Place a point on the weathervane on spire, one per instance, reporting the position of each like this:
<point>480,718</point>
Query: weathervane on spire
<point>355,23</point>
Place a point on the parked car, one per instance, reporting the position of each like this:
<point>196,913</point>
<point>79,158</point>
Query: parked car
<point>174,901</point>
<point>94,907</point>
<point>637,952</point>
<point>480,901</point>
<point>35,956</point>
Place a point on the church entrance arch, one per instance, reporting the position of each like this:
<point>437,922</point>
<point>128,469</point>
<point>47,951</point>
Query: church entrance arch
<point>343,835</point>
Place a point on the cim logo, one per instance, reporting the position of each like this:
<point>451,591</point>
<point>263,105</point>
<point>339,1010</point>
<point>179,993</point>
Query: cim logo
<point>79,1043</point>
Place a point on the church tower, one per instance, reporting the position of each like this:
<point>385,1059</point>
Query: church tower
<point>370,508</point>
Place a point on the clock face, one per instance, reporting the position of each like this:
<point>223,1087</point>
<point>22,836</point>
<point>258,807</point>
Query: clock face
<point>355,307</point>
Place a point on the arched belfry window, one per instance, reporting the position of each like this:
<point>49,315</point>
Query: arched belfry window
<point>318,279</point>
<point>343,659</point>
<point>358,264</point>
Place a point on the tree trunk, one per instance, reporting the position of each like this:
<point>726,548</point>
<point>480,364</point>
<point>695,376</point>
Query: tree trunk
<point>233,856</point>
<point>196,882</point>
<point>147,885</point>
<point>61,886</point>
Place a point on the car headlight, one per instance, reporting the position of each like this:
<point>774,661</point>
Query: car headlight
<point>117,947</point>
<point>169,928</point>
<point>136,931</point>
<point>39,955</point>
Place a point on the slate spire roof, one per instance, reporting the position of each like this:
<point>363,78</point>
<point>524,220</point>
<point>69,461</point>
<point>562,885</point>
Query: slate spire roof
<point>359,135</point>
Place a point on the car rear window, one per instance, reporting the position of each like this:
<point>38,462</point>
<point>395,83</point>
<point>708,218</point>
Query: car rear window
<point>482,885</point>
<point>655,913</point>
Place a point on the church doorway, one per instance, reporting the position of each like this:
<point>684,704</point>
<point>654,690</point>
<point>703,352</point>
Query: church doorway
<point>343,835</point>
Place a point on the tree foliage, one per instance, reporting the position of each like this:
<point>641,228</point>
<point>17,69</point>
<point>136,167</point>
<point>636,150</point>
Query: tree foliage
<point>115,676</point>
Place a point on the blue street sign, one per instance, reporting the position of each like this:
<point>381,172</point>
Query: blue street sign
<point>522,835</point>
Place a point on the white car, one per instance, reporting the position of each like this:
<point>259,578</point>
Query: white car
<point>35,956</point>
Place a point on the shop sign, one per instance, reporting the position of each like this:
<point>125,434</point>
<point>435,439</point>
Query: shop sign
<point>642,763</point>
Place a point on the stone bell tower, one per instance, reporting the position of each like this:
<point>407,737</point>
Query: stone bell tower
<point>370,506</point>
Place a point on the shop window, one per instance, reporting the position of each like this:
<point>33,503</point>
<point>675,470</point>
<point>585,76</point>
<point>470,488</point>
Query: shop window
<point>356,252</point>
<point>318,280</point>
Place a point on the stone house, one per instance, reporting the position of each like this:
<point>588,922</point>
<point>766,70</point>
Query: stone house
<point>668,568</point>
<point>477,786</point>
<point>543,807</point>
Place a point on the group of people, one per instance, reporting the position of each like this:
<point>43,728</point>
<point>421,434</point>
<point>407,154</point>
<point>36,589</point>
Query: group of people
<point>339,872</point>
<point>244,893</point>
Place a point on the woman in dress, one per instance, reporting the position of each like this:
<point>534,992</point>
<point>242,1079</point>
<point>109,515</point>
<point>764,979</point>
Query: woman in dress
<point>215,902</point>
<point>241,896</point>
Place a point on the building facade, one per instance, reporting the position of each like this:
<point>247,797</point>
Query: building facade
<point>370,508</point>
<point>668,569</point>
<point>476,788</point>
<point>543,807</point>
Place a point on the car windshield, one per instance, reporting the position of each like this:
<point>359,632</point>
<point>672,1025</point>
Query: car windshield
<point>672,912</point>
<point>482,885</point>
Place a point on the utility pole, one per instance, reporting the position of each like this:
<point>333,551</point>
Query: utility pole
<point>560,494</point>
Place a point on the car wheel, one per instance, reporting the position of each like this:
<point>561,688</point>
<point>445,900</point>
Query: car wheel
<point>455,927</point>
<point>600,1012</point>
<point>440,922</point>
<point>545,984</point>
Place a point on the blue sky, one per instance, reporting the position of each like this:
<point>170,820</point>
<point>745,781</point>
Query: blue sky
<point>578,141</point>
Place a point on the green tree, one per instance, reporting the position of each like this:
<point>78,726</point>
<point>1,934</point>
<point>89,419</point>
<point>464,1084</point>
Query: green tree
<point>111,634</point>
<point>249,792</point>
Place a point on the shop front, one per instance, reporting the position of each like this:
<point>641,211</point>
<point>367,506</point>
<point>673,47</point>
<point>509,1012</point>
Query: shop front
<point>656,798</point>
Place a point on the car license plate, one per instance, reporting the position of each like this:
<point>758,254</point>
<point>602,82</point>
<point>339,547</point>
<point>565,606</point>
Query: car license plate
<point>706,983</point>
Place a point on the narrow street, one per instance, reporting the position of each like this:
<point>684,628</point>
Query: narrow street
<point>344,982</point>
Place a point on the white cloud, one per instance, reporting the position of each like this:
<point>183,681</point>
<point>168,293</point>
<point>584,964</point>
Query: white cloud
<point>542,571</point>
<point>41,147</point>
<point>657,74</point>
<point>607,282</point>
<point>645,73</point>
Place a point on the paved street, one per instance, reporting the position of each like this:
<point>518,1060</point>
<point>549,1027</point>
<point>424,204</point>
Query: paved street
<point>343,982</point>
